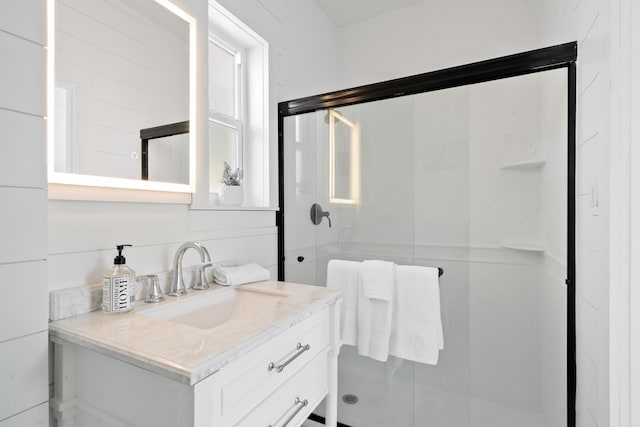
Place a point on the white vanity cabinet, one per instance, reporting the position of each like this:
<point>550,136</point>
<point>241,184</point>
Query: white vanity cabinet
<point>260,388</point>
<point>277,382</point>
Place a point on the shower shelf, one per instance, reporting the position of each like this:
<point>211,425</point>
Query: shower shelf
<point>523,247</point>
<point>525,164</point>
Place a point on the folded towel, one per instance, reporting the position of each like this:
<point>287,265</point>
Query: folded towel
<point>417,325</point>
<point>377,279</point>
<point>375,302</point>
<point>239,275</point>
<point>344,276</point>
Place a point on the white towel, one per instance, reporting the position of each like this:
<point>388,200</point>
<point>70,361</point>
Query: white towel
<point>417,326</point>
<point>344,276</point>
<point>247,273</point>
<point>377,279</point>
<point>375,304</point>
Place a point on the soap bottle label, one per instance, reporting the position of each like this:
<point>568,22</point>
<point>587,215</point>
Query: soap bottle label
<point>118,293</point>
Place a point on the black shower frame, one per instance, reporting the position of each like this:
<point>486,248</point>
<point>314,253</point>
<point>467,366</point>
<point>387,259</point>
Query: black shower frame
<point>545,59</point>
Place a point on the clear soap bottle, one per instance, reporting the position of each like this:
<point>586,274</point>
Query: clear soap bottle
<point>118,286</point>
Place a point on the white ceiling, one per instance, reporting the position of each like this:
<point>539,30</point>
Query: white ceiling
<point>345,12</point>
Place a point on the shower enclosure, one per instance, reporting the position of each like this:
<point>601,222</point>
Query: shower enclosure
<point>470,170</point>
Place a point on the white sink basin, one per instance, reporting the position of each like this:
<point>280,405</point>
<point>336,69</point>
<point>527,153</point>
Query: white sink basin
<point>217,307</point>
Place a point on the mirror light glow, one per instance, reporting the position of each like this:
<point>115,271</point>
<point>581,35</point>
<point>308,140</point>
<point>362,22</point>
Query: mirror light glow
<point>354,160</point>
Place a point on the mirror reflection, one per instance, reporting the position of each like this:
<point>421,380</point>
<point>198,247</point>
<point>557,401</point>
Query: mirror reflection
<point>344,159</point>
<point>121,66</point>
<point>166,142</point>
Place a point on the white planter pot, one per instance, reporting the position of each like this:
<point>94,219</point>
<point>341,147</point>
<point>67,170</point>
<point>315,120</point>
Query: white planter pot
<point>231,195</point>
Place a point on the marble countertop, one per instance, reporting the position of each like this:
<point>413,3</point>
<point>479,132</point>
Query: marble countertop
<point>185,353</point>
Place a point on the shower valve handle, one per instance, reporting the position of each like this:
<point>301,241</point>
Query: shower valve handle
<point>317,214</point>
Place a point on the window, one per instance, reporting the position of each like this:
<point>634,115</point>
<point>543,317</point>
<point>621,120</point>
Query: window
<point>226,111</point>
<point>238,108</point>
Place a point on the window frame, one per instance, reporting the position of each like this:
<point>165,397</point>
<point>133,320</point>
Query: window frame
<point>259,178</point>
<point>236,123</point>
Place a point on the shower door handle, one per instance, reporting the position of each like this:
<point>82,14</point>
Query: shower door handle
<point>317,214</point>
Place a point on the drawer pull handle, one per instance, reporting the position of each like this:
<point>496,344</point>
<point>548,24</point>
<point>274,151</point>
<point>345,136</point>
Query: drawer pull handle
<point>299,350</point>
<point>298,405</point>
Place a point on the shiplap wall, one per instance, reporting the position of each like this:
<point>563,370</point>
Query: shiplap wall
<point>23,215</point>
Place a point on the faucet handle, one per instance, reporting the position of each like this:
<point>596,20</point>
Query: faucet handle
<point>201,282</point>
<point>155,293</point>
<point>205,265</point>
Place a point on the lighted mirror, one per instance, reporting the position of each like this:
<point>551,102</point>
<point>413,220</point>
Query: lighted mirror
<point>118,68</point>
<point>344,159</point>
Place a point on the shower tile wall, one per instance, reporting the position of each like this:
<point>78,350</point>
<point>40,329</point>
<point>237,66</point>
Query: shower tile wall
<point>441,165</point>
<point>504,128</point>
<point>501,343</point>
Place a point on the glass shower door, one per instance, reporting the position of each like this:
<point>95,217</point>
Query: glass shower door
<point>300,153</point>
<point>368,150</point>
<point>472,179</point>
<point>349,187</point>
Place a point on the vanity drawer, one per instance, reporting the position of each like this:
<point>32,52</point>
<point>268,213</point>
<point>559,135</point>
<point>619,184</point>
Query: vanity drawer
<point>246,383</point>
<point>292,403</point>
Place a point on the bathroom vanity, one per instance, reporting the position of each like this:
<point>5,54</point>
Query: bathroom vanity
<point>255,355</point>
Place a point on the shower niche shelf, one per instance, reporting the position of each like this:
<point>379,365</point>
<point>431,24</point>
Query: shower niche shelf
<point>524,247</point>
<point>524,164</point>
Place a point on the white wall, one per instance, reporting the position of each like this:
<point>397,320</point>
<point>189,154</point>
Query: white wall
<point>633,405</point>
<point>438,35</point>
<point>24,302</point>
<point>592,216</point>
<point>624,230</point>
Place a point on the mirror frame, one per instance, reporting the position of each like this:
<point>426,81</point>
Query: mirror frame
<point>157,132</point>
<point>72,179</point>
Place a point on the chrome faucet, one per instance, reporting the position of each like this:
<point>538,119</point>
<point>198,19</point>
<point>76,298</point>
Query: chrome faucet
<point>177,281</point>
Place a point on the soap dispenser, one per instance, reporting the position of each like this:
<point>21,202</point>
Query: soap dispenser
<point>118,286</point>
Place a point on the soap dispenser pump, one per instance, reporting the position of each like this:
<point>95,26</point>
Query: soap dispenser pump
<point>118,285</point>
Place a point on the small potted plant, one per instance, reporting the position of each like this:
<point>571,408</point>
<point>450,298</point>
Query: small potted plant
<point>231,192</point>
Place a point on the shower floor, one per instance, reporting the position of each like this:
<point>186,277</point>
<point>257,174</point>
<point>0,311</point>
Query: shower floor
<point>387,396</point>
